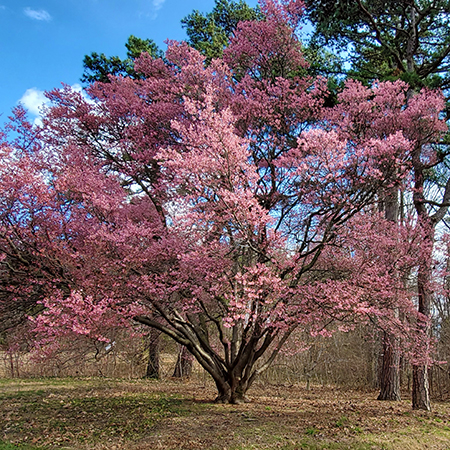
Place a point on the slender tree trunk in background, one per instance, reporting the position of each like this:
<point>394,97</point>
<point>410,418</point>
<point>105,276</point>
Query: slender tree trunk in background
<point>183,367</point>
<point>420,388</point>
<point>11,364</point>
<point>153,354</point>
<point>420,385</point>
<point>390,368</point>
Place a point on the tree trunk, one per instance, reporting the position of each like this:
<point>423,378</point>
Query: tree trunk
<point>420,388</point>
<point>183,366</point>
<point>153,354</point>
<point>231,392</point>
<point>390,370</point>
<point>420,385</point>
<point>390,367</point>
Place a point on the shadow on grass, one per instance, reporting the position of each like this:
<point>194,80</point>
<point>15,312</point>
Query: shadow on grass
<point>138,415</point>
<point>58,416</point>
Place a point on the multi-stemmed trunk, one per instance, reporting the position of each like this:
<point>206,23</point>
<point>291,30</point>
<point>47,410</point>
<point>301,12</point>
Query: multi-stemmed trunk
<point>235,378</point>
<point>235,367</point>
<point>232,390</point>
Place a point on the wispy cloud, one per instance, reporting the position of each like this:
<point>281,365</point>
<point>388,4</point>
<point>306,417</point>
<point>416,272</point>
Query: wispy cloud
<point>157,4</point>
<point>40,14</point>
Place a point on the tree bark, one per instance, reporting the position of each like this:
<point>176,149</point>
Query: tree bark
<point>390,368</point>
<point>153,354</point>
<point>420,388</point>
<point>420,385</point>
<point>232,391</point>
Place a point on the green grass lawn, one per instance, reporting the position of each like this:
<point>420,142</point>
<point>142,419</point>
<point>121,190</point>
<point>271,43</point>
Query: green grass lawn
<point>137,415</point>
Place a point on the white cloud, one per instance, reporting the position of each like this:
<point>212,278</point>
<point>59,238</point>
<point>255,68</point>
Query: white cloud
<point>77,88</point>
<point>40,14</point>
<point>34,100</point>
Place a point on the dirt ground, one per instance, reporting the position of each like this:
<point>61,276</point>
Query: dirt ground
<point>141,415</point>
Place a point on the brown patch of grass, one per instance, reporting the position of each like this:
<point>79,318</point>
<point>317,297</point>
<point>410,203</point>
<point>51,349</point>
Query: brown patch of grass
<point>139,415</point>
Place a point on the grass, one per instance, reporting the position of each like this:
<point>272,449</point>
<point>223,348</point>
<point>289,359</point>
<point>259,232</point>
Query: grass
<point>85,415</point>
<point>9,446</point>
<point>139,415</point>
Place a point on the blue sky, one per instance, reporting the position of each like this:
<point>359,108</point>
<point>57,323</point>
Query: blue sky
<point>42,42</point>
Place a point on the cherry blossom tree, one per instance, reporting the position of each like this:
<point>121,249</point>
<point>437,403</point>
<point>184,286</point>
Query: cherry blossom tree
<point>210,201</point>
<point>25,276</point>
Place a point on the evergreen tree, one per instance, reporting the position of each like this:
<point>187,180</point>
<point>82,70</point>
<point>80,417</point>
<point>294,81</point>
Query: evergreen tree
<point>209,33</point>
<point>99,67</point>
<point>386,40</point>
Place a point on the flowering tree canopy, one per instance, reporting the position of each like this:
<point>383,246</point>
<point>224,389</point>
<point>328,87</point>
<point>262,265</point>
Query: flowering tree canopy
<point>221,204</point>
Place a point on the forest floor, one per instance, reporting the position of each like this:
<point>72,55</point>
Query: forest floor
<point>139,415</point>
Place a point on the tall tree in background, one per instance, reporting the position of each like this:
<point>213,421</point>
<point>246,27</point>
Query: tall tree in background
<point>390,368</point>
<point>99,67</point>
<point>409,40</point>
<point>210,33</point>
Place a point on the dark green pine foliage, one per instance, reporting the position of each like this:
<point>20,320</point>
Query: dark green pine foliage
<point>387,40</point>
<point>98,67</point>
<point>209,33</point>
